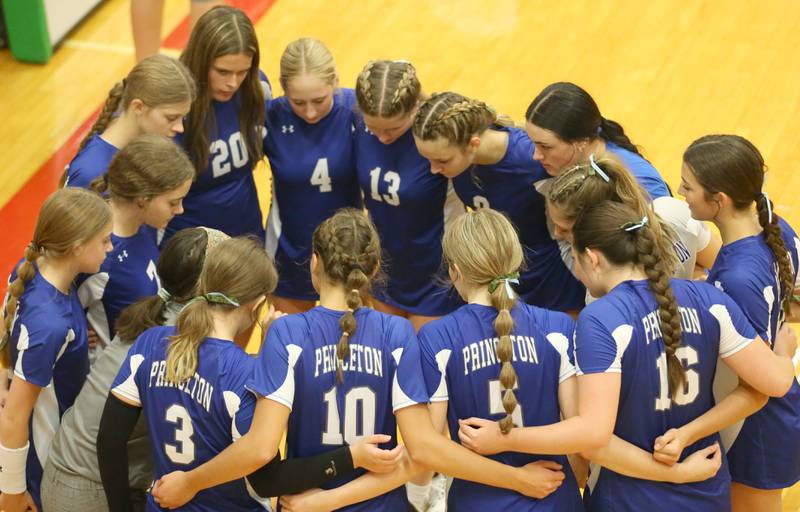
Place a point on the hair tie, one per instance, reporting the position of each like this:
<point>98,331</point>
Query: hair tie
<point>513,277</point>
<point>594,168</point>
<point>216,298</point>
<point>345,334</point>
<point>35,247</point>
<point>769,207</point>
<point>164,295</point>
<point>633,226</point>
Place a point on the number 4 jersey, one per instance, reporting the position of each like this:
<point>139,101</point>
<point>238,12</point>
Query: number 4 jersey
<point>297,368</point>
<point>620,332</point>
<point>192,422</point>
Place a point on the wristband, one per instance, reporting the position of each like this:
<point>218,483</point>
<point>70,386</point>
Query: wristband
<point>12,469</point>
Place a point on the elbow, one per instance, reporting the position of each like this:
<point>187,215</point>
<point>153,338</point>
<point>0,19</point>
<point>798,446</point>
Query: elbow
<point>593,442</point>
<point>422,453</point>
<point>784,386</point>
<point>261,454</point>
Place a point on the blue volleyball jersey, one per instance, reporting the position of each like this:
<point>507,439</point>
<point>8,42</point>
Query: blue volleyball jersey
<point>407,203</point>
<point>644,172</point>
<point>49,349</point>
<point>508,186</point>
<point>127,275</point>
<point>620,332</point>
<point>766,452</point>
<point>313,170</point>
<point>224,194</point>
<point>192,422</point>
<point>297,368</point>
<point>90,162</point>
<point>461,367</point>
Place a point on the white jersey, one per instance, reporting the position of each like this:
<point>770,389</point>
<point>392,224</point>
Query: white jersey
<point>693,235</point>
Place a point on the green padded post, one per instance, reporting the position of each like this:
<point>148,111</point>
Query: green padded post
<point>28,35</point>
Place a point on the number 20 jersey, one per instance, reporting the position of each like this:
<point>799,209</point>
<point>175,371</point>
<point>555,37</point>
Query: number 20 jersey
<point>620,333</point>
<point>297,368</point>
<point>192,422</point>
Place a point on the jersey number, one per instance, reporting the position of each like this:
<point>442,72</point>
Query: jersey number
<point>320,176</point>
<point>221,150</point>
<point>152,273</point>
<point>360,399</point>
<point>691,387</point>
<point>390,177</point>
<point>184,453</point>
<point>496,402</point>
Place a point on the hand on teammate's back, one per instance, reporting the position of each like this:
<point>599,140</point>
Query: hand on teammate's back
<point>541,478</point>
<point>701,465</point>
<point>481,436</point>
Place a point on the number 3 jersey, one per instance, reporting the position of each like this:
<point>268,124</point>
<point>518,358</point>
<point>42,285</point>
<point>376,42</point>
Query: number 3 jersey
<point>193,421</point>
<point>620,333</point>
<point>461,367</point>
<point>127,275</point>
<point>297,368</point>
<point>313,175</point>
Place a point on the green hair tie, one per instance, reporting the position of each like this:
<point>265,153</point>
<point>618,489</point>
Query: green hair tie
<point>513,277</point>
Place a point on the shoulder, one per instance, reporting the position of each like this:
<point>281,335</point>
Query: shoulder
<point>345,98</point>
<point>153,337</point>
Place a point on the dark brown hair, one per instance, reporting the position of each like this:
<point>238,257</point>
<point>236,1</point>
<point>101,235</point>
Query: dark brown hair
<point>733,165</point>
<point>611,228</point>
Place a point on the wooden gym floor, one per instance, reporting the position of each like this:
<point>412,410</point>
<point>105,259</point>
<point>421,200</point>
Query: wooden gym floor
<point>668,71</point>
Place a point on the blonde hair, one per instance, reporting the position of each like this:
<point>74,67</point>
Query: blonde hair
<point>156,80</point>
<point>348,246</point>
<point>307,56</point>
<point>68,217</point>
<point>455,118</point>
<point>240,269</point>
<point>148,166</point>
<point>388,88</point>
<point>581,186</point>
<point>485,247</point>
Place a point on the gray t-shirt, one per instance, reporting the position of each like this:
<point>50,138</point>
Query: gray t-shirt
<point>74,449</point>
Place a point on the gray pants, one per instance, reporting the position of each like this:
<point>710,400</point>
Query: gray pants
<point>63,492</point>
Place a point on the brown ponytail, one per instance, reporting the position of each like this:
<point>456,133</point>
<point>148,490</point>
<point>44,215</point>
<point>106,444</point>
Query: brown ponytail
<point>772,236</point>
<point>485,248</point>
<point>348,247</point>
<point>68,217</point>
<point>624,238</point>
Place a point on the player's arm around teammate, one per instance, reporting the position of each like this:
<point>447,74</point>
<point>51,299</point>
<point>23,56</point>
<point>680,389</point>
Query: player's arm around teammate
<point>153,98</point>
<point>618,259</point>
<point>44,336</point>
